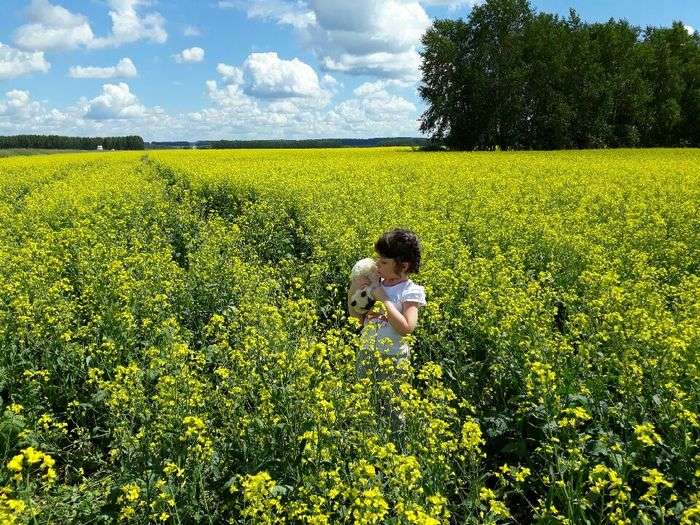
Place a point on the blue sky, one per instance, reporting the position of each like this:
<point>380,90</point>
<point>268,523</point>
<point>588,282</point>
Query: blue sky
<point>237,69</point>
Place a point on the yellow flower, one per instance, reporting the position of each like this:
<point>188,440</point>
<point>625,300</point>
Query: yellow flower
<point>471,436</point>
<point>646,434</point>
<point>131,492</point>
<point>370,507</point>
<point>32,456</point>
<point>499,508</point>
<point>522,473</point>
<point>15,464</point>
<point>172,468</point>
<point>486,494</point>
<point>15,408</point>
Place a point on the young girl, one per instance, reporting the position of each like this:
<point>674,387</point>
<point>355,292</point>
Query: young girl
<point>398,255</point>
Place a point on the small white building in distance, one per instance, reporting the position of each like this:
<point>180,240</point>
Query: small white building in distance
<point>100,148</point>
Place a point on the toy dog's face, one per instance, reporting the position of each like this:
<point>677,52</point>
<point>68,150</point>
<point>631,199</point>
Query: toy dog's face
<point>362,300</point>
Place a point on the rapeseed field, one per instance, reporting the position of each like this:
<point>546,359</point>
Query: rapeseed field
<point>175,346</point>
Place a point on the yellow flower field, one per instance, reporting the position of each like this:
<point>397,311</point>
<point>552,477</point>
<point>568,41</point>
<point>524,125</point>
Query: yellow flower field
<point>174,345</point>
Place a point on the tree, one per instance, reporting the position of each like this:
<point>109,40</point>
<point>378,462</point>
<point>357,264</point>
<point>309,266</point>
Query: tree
<point>510,78</point>
<point>672,66</point>
<point>550,111</point>
<point>447,76</point>
<point>57,142</point>
<point>474,77</point>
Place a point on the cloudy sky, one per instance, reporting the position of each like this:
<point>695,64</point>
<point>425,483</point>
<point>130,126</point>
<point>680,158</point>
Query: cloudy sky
<point>236,69</point>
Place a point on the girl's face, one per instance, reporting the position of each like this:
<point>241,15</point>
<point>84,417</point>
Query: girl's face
<point>389,269</point>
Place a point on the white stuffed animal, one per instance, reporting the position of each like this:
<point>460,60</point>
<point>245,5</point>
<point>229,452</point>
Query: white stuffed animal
<point>360,299</point>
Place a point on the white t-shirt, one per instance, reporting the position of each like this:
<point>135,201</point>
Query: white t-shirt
<point>398,294</point>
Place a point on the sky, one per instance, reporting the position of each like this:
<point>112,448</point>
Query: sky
<point>237,69</point>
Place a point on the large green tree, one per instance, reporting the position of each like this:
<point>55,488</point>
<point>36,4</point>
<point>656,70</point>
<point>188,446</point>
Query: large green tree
<point>510,78</point>
<point>474,77</point>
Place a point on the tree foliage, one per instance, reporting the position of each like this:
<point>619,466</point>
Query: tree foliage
<point>132,142</point>
<point>508,77</point>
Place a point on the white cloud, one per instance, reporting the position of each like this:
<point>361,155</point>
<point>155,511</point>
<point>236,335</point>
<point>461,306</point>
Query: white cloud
<point>115,102</point>
<point>20,114</point>
<point>231,74</point>
<point>329,83</point>
<point>229,95</point>
<point>193,54</point>
<point>15,63</point>
<point>52,27</point>
<point>365,112</point>
<point>690,29</point>
<point>403,66</point>
<point>192,31</point>
<point>362,37</point>
<point>285,107</point>
<point>236,115</point>
<point>272,77</point>
<point>369,88</point>
<point>233,114</point>
<point>453,4</point>
<point>124,69</point>
<point>18,103</point>
<point>265,98</point>
<point>129,26</point>
<point>294,13</point>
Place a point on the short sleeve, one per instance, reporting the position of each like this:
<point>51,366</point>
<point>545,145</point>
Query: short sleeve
<point>414,294</point>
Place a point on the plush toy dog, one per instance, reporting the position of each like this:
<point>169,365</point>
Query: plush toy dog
<point>360,299</point>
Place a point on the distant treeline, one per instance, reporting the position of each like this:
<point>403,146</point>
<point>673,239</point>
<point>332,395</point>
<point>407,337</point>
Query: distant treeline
<point>309,143</point>
<point>132,142</point>
<point>511,78</point>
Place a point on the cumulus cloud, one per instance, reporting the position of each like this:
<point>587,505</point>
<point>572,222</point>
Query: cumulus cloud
<point>265,96</point>
<point>129,26</point>
<point>20,114</point>
<point>368,88</point>
<point>192,54</point>
<point>125,68</point>
<point>237,115</point>
<point>229,95</point>
<point>293,13</point>
<point>18,102</point>
<point>453,4</point>
<point>379,107</point>
<point>363,37</point>
<point>272,77</point>
<point>329,83</point>
<point>232,114</point>
<point>115,102</point>
<point>267,77</point>
<point>121,114</point>
<point>269,97</point>
<point>231,74</point>
<point>15,63</point>
<point>690,29</point>
<point>53,27</point>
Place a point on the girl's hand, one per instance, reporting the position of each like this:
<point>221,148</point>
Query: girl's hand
<point>375,315</point>
<point>379,294</point>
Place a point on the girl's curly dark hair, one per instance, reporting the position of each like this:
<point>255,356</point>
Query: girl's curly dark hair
<point>402,246</point>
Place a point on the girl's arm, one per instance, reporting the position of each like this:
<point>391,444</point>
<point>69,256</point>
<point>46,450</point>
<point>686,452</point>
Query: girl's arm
<point>403,322</point>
